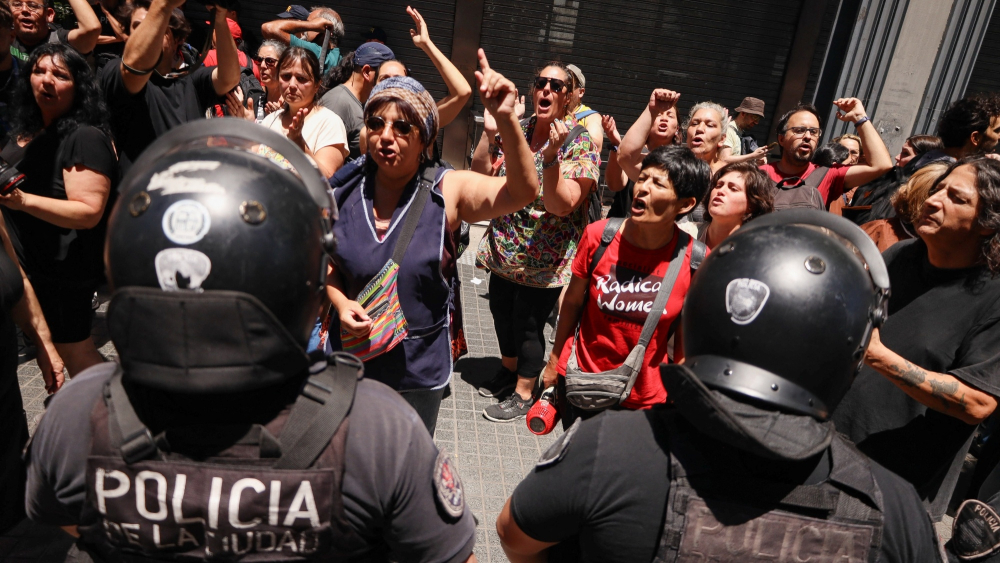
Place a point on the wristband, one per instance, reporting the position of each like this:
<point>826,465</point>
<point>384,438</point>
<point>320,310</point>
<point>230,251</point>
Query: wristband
<point>554,162</point>
<point>861,122</point>
<point>613,148</point>
<point>138,72</point>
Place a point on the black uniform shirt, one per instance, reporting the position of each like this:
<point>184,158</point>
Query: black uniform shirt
<point>388,490</point>
<point>607,497</point>
<point>947,321</point>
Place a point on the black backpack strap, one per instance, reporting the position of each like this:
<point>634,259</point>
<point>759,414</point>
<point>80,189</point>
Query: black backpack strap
<point>413,214</point>
<point>322,406</point>
<point>698,253</point>
<point>610,229</point>
<point>128,434</point>
<point>816,178</point>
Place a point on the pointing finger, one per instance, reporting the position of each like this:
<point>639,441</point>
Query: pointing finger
<point>483,63</point>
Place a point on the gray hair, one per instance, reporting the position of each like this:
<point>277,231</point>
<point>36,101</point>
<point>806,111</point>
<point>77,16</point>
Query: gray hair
<point>278,46</point>
<point>723,115</point>
<point>337,31</point>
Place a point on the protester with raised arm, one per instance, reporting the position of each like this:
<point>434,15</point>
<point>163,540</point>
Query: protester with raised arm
<point>147,98</point>
<point>34,26</point>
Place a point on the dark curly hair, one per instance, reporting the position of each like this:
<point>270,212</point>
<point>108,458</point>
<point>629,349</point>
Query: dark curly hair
<point>759,189</point>
<point>967,116</point>
<point>988,214</point>
<point>88,104</point>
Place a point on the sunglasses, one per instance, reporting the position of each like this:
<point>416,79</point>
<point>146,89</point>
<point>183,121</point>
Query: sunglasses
<point>555,84</point>
<point>376,124</point>
<point>266,61</point>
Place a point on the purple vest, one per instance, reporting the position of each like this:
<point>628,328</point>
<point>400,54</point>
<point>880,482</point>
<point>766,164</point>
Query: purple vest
<point>423,360</point>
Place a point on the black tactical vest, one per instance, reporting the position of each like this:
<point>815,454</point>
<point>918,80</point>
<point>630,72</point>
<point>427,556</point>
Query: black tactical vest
<point>261,493</point>
<point>714,515</point>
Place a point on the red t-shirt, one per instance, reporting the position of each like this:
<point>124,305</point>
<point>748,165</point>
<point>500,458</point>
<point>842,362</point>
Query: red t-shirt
<point>212,59</point>
<point>620,293</point>
<point>830,188</point>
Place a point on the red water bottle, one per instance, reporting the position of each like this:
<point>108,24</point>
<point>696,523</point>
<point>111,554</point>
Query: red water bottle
<point>543,415</point>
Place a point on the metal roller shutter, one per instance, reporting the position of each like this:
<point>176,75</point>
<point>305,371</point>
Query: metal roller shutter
<point>720,50</point>
<point>985,76</point>
<point>390,15</point>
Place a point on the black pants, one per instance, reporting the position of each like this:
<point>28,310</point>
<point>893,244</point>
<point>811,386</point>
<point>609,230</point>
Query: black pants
<point>519,315</point>
<point>427,403</point>
<point>15,429</point>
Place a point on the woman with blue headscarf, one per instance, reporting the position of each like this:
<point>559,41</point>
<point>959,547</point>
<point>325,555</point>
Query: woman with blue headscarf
<point>391,281</point>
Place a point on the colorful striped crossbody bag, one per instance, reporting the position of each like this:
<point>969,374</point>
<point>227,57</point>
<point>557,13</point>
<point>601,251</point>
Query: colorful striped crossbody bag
<point>380,297</point>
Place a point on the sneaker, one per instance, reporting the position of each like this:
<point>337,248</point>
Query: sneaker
<point>500,384</point>
<point>508,410</point>
<point>26,350</point>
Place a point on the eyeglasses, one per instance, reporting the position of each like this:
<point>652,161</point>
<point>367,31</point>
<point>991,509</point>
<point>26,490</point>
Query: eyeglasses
<point>266,61</point>
<point>375,124</point>
<point>32,6</point>
<point>801,131</point>
<point>556,84</point>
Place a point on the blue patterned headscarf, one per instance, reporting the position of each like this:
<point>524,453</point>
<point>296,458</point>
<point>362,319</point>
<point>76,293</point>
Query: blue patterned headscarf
<point>412,92</point>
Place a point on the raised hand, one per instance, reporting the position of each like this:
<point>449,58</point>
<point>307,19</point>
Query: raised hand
<point>849,109</point>
<point>499,96</point>
<point>271,107</point>
<point>489,123</point>
<point>519,106</point>
<point>662,99</point>
<point>420,36</point>
<point>611,130</point>
<point>295,127</point>
<point>234,104</point>
<point>557,136</point>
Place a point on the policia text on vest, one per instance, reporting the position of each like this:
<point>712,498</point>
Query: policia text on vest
<point>154,507</point>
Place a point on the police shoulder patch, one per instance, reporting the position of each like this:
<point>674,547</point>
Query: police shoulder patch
<point>557,450</point>
<point>448,486</point>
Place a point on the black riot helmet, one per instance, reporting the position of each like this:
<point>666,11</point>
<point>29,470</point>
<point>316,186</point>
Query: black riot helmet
<point>782,311</point>
<point>217,252</point>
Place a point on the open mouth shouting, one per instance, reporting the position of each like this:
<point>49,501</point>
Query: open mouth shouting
<point>638,207</point>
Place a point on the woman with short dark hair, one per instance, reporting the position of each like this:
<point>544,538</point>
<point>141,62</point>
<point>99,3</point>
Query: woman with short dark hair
<point>60,140</point>
<point>611,294</point>
<point>740,192</point>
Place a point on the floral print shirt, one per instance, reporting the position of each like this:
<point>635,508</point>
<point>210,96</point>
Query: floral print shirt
<point>533,247</point>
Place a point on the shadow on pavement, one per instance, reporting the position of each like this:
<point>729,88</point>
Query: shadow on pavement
<point>476,371</point>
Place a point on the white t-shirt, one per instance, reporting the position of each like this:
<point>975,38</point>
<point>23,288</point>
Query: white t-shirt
<point>322,128</point>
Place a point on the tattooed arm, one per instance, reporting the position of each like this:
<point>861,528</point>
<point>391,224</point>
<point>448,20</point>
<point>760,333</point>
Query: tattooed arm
<point>939,391</point>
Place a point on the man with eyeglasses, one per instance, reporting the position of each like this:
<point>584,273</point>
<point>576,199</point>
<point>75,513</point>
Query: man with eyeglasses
<point>146,96</point>
<point>799,131</point>
<point>33,26</point>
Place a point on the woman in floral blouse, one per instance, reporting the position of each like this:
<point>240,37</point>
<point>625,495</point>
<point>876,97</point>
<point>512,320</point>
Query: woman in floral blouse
<point>530,252</point>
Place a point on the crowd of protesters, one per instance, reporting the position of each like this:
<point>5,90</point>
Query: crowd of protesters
<point>932,375</point>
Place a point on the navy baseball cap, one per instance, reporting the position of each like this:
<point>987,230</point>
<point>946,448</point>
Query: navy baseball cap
<point>295,12</point>
<point>372,54</point>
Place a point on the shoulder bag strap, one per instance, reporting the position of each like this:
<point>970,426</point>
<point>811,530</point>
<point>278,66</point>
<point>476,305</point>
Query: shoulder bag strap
<point>128,434</point>
<point>414,212</point>
<point>321,407</point>
<point>573,134</point>
<point>666,287</point>
<point>610,230</point>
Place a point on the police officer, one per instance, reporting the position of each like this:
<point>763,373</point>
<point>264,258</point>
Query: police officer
<point>745,464</point>
<point>218,437</point>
